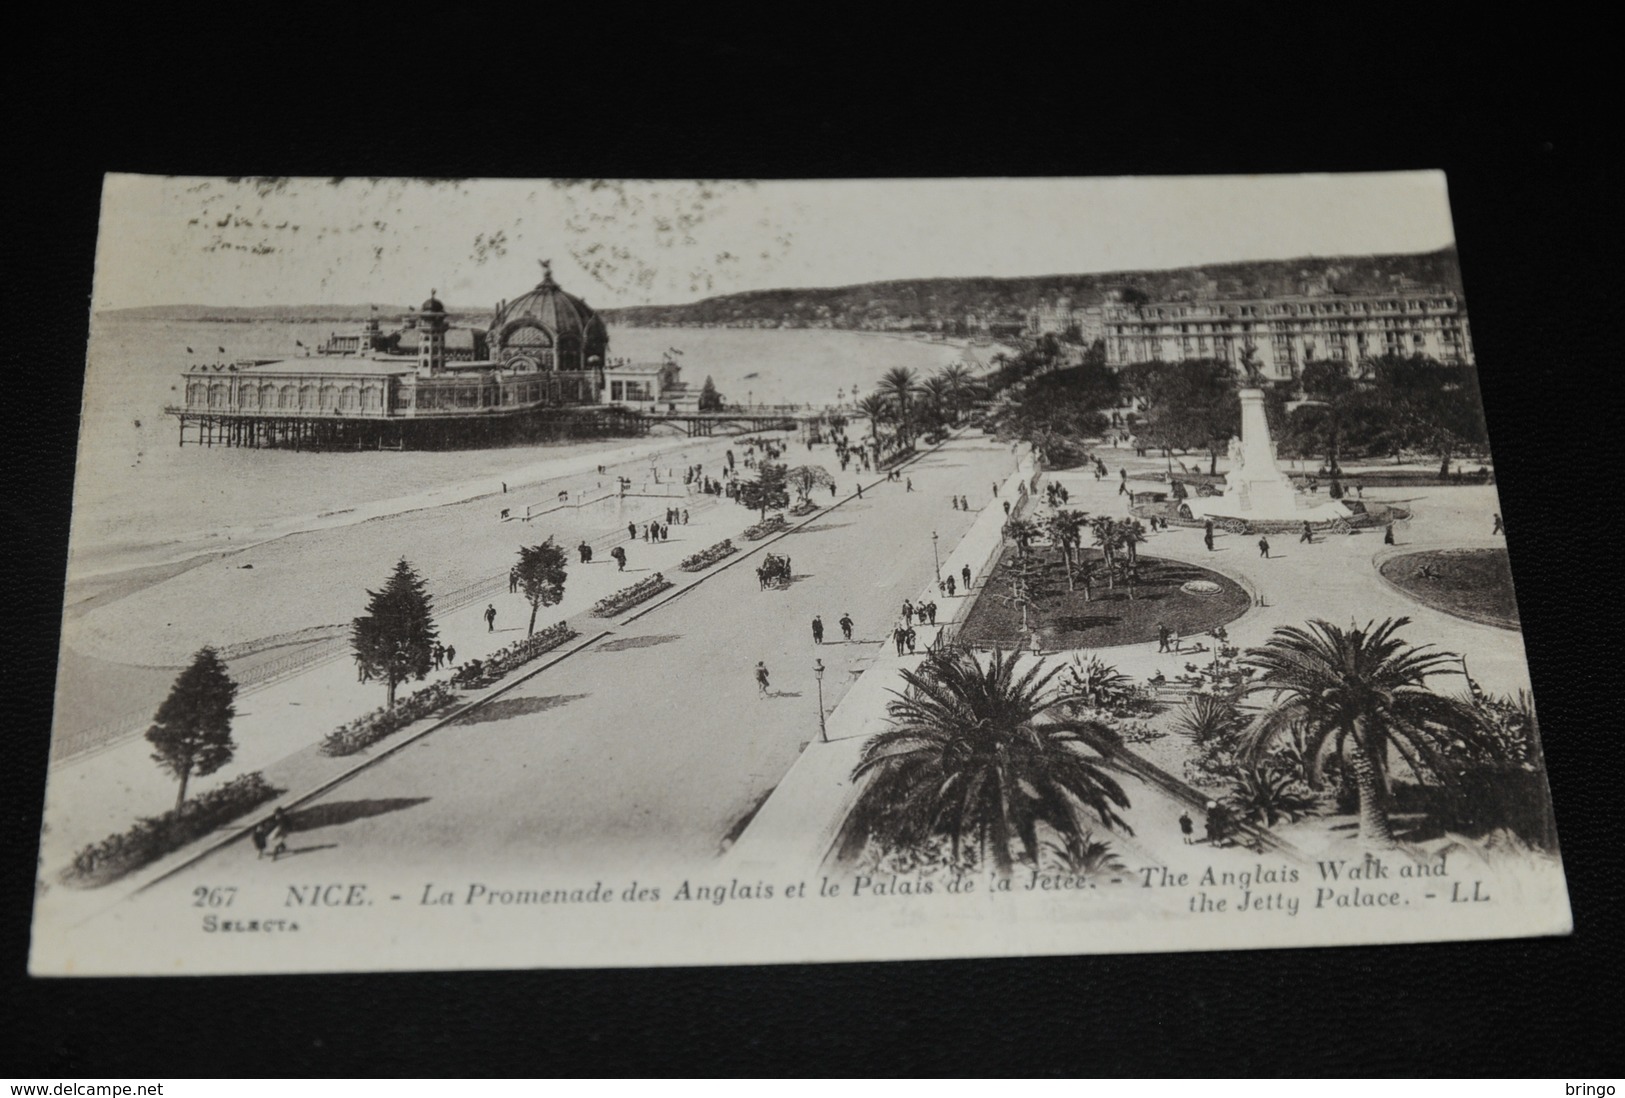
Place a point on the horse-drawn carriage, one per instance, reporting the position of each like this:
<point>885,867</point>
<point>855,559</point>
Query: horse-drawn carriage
<point>774,571</point>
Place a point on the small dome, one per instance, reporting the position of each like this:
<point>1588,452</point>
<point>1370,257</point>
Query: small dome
<point>432,305</point>
<point>570,322</point>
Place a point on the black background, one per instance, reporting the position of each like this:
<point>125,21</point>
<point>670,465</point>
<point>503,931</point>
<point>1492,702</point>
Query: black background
<point>1516,114</point>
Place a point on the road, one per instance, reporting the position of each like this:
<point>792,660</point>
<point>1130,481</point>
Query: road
<point>650,747</point>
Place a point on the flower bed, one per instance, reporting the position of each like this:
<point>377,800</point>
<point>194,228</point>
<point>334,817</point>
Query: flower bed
<point>705,558</point>
<point>805,507</point>
<point>477,673</point>
<point>766,527</point>
<point>630,596</point>
<point>154,836</point>
<point>362,732</point>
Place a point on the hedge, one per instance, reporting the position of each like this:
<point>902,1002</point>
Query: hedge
<point>483,672</point>
<point>805,507</point>
<point>362,732</point>
<point>151,837</point>
<point>763,529</point>
<point>641,591</point>
<point>705,558</point>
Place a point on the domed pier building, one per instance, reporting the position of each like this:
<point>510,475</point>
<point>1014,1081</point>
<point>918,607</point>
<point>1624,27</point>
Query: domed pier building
<point>540,369</point>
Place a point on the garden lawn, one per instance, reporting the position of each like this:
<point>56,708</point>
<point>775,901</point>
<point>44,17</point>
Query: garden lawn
<point>1475,584</point>
<point>1109,617</point>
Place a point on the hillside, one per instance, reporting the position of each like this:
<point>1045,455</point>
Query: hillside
<point>883,304</point>
<point>922,302</point>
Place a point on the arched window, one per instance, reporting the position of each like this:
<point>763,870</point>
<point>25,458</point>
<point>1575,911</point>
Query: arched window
<point>371,399</point>
<point>219,395</point>
<point>287,397</point>
<point>248,397</point>
<point>330,396</point>
<point>197,394</point>
<point>349,398</point>
<point>307,398</point>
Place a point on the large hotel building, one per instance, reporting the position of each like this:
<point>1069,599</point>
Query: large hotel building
<point>1286,332</point>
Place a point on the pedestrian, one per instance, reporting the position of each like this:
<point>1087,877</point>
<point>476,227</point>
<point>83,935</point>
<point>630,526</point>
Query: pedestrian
<point>1173,639</point>
<point>846,626</point>
<point>1122,489</point>
<point>1162,638</point>
<point>942,588</point>
<point>1006,508</point>
<point>897,637</point>
<point>908,636</point>
<point>620,558</point>
<point>631,531</point>
<point>504,487</point>
<point>1388,535</point>
<point>1499,528</point>
<point>277,838</point>
<point>910,487</point>
<point>685,516</point>
<point>1207,535</point>
<point>451,654</point>
<point>818,629</point>
<point>490,618</point>
<point>950,582</point>
<point>761,678</point>
<point>860,489</point>
<point>1307,535</point>
<point>1264,547</point>
<point>665,532</point>
<point>439,655</point>
<point>832,489</point>
<point>261,831</point>
<point>908,612</point>
<point>995,489</point>
<point>513,580</point>
<point>964,574</point>
<point>1186,828</point>
<point>933,610</point>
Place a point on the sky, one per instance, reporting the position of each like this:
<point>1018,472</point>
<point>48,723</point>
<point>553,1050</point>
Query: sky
<point>169,241</point>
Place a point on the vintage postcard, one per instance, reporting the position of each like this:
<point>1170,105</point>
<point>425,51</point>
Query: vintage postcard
<point>472,574</point>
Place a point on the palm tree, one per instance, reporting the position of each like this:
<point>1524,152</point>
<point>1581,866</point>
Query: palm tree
<point>1105,532</point>
<point>934,392</point>
<point>1065,529</point>
<point>1130,536</point>
<point>898,386</point>
<point>878,410</point>
<point>971,755</point>
<point>956,380</point>
<point>1210,718</point>
<point>1356,693</point>
<point>1021,531</point>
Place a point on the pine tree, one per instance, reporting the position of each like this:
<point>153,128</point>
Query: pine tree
<point>541,575</point>
<point>192,729</point>
<point>394,639</point>
<point>710,399</point>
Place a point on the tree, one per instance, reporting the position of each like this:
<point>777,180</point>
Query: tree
<point>805,478</point>
<point>192,728</point>
<point>767,490</point>
<point>1022,532</point>
<point>878,410</point>
<point>1065,529</point>
<point>1355,693</point>
<point>394,639</point>
<point>710,399</point>
<point>972,756</point>
<point>541,571</point>
<point>1435,407</point>
<point>898,386</point>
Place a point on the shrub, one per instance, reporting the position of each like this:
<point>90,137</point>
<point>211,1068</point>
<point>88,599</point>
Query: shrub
<point>366,730</point>
<point>152,837</point>
<point>641,591</point>
<point>762,529</point>
<point>705,558</point>
<point>1267,796</point>
<point>477,673</point>
<point>804,507</point>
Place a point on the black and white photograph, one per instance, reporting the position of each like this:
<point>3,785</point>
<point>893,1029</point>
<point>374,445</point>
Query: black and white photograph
<point>592,572</point>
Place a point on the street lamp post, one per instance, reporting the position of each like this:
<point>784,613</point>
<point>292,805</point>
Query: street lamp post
<point>935,559</point>
<point>818,673</point>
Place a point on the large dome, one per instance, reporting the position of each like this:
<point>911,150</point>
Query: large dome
<point>549,318</point>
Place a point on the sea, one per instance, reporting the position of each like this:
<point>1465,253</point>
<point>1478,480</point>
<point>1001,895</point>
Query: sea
<point>141,500</point>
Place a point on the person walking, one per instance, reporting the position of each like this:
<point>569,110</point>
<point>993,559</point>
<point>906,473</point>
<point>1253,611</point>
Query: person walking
<point>910,485</point>
<point>818,629</point>
<point>1006,508</point>
<point>897,637</point>
<point>1162,638</point>
<point>631,531</point>
<point>451,654</point>
<point>1264,548</point>
<point>860,489</point>
<point>620,558</point>
<point>761,679</point>
<point>513,580</point>
<point>1307,535</point>
<point>995,489</point>
<point>950,583</point>
<point>261,832</point>
<point>1186,828</point>
<point>908,612</point>
<point>908,637</point>
<point>1388,535</point>
<point>964,574</point>
<point>1207,535</point>
<point>490,618</point>
<point>846,626</point>
<point>1499,527</point>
